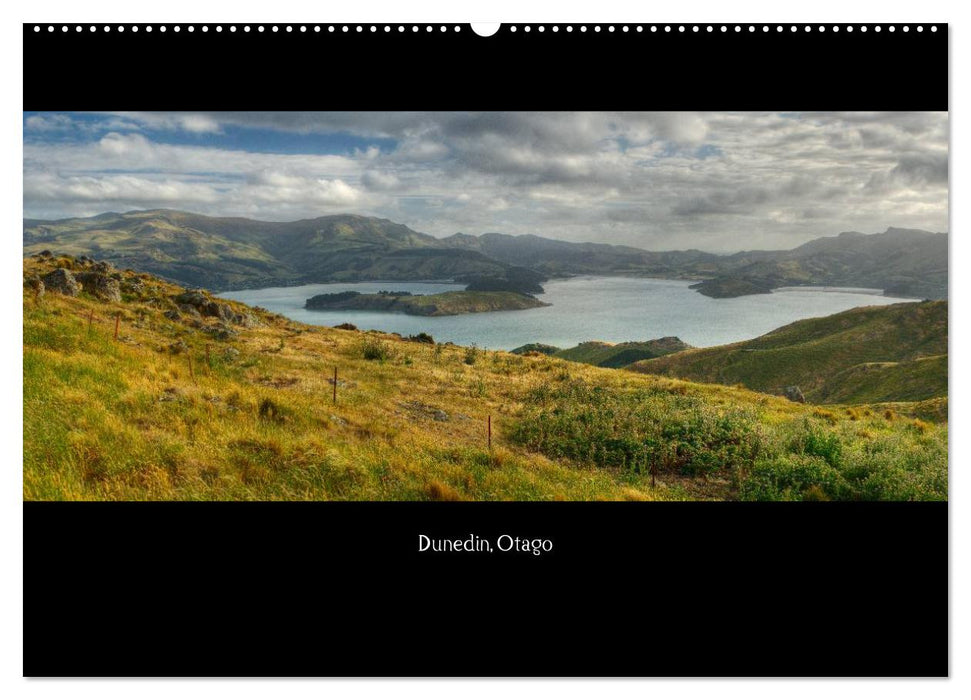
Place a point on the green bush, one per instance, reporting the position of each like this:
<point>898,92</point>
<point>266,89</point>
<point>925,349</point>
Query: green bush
<point>668,430</point>
<point>825,445</point>
<point>641,432</point>
<point>791,477</point>
<point>374,349</point>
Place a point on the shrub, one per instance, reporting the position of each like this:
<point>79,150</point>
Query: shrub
<point>792,477</point>
<point>825,445</point>
<point>640,432</point>
<point>471,355</point>
<point>374,349</point>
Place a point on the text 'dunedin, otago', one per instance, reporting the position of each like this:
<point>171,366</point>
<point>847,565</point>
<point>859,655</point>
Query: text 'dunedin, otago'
<point>473,543</point>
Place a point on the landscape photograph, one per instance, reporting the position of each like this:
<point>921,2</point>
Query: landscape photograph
<point>485,306</point>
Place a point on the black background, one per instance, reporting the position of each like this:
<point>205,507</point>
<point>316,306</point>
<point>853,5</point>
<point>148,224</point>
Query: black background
<point>451,70</point>
<point>339,589</point>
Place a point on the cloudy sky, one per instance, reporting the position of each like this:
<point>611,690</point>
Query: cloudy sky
<point>716,181</point>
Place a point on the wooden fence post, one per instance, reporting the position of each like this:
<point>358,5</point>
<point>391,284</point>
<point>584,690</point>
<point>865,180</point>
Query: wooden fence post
<point>489,424</point>
<point>117,321</point>
<point>335,385</point>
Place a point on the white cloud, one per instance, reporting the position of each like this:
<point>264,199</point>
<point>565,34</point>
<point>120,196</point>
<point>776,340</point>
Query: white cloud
<point>717,181</point>
<point>135,191</point>
<point>48,122</point>
<point>199,124</point>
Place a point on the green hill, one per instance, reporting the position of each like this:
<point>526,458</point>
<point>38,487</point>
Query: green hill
<point>234,253</point>
<point>615,355</point>
<point>902,262</point>
<point>865,355</point>
<point>199,398</point>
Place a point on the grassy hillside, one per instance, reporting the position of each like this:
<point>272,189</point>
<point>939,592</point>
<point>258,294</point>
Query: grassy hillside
<point>865,355</point>
<point>204,399</point>
<point>616,355</point>
<point>443,304</point>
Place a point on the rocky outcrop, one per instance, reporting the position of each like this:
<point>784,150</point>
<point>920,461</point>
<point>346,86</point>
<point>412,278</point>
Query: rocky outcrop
<point>190,310</point>
<point>99,285</point>
<point>192,297</point>
<point>62,281</point>
<point>793,393</point>
<point>196,302</point>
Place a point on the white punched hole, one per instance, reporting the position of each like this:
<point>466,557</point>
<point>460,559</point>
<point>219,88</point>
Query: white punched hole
<point>486,28</point>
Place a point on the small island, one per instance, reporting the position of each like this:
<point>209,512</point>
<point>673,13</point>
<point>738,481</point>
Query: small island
<point>731,287</point>
<point>443,304</point>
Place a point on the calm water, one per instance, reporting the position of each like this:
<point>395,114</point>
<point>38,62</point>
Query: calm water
<point>614,309</point>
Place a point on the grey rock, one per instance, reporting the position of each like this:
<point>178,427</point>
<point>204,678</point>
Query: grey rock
<point>221,332</point>
<point>246,320</point>
<point>793,393</point>
<point>221,311</point>
<point>62,281</point>
<point>189,310</point>
<point>172,315</point>
<point>99,285</point>
<point>132,286</point>
<point>193,297</point>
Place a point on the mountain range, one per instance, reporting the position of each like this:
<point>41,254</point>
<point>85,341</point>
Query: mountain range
<point>236,253</point>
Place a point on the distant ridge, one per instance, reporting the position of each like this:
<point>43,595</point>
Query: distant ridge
<point>233,253</point>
